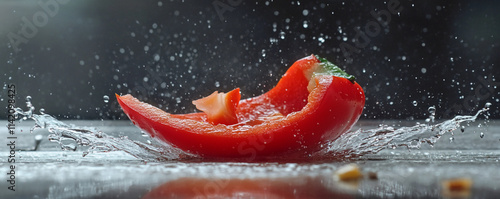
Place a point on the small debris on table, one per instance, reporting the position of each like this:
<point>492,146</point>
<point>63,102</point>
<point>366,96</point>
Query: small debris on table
<point>372,175</point>
<point>458,187</point>
<point>350,172</point>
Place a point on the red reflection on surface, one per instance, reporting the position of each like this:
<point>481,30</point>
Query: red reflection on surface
<point>307,187</point>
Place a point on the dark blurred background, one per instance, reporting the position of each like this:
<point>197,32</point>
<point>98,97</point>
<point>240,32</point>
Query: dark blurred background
<point>71,55</point>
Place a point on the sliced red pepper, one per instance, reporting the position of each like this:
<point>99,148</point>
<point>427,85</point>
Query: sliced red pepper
<point>313,103</point>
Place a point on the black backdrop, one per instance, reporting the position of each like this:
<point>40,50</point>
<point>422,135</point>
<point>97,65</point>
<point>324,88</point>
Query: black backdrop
<point>417,54</point>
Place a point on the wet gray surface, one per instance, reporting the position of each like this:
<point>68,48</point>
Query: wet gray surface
<point>52,173</point>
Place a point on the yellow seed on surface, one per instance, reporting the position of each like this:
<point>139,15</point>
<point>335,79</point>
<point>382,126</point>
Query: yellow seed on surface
<point>348,173</point>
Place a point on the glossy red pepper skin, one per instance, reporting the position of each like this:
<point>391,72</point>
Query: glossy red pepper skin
<point>286,120</point>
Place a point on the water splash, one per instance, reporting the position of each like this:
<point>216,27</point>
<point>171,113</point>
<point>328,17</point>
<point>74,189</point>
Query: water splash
<point>350,145</point>
<point>69,136</point>
<point>361,142</point>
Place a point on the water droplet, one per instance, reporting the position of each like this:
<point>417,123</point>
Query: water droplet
<point>451,139</point>
<point>282,35</point>
<point>217,84</point>
<point>424,70</point>
<point>156,57</point>
<point>487,105</point>
<point>305,25</point>
<point>415,103</point>
<point>105,98</point>
<point>481,135</point>
<point>432,110</point>
<point>305,12</point>
<point>42,111</point>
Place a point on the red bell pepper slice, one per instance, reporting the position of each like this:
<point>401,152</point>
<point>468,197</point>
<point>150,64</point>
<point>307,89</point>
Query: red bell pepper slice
<point>313,103</point>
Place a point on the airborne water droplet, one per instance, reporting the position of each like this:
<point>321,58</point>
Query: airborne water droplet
<point>156,57</point>
<point>481,135</point>
<point>105,98</point>
<point>487,105</point>
<point>415,103</point>
<point>305,25</point>
<point>305,12</point>
<point>432,110</point>
<point>282,35</point>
